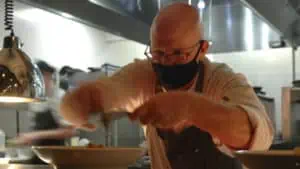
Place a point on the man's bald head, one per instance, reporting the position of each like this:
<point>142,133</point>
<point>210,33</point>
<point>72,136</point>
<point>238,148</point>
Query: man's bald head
<point>176,26</point>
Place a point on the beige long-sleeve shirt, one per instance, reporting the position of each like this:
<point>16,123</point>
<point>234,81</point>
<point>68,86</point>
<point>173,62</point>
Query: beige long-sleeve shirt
<point>136,82</point>
<point>219,82</point>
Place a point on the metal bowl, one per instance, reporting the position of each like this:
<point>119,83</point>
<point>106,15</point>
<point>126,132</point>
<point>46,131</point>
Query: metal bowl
<point>90,158</point>
<point>274,159</point>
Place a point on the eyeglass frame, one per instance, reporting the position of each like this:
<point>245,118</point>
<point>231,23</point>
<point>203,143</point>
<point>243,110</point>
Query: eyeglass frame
<point>200,42</point>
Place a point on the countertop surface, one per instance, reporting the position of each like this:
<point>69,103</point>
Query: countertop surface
<point>29,166</point>
<point>24,166</point>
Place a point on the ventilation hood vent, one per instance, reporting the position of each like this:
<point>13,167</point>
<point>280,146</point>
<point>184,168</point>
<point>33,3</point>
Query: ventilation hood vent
<point>228,23</point>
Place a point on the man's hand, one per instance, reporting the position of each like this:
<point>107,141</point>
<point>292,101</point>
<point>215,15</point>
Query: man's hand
<point>178,110</point>
<point>169,110</point>
<point>77,105</point>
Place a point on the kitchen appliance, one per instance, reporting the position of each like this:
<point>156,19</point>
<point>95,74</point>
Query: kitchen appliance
<point>290,114</point>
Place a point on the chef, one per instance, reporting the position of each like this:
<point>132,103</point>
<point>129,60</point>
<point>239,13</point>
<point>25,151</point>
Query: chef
<point>47,127</point>
<point>196,112</point>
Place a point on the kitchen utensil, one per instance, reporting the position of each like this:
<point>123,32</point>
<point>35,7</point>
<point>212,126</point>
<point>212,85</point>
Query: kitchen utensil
<point>92,158</point>
<point>107,118</point>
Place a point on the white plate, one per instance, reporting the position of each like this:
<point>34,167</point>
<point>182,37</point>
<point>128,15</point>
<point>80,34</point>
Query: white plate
<point>83,157</point>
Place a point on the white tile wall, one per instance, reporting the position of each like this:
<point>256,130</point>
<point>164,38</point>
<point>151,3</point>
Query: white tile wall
<point>271,69</point>
<point>61,41</point>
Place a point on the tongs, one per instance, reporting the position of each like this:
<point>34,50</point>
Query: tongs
<point>102,120</point>
<point>107,118</point>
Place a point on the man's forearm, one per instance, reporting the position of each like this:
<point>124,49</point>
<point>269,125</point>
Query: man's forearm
<point>230,124</point>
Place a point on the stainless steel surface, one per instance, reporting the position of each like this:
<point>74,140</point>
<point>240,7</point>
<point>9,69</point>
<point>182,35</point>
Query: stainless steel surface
<point>26,166</point>
<point>23,166</point>
<point>282,15</point>
<point>231,26</point>
<point>20,79</point>
<point>122,133</point>
<point>107,119</point>
<point>234,27</point>
<point>227,23</point>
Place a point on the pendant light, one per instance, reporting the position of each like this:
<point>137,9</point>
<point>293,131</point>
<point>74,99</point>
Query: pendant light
<point>20,80</point>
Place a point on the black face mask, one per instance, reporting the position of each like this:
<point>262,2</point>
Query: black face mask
<point>176,76</point>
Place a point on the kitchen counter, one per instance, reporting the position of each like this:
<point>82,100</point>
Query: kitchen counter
<point>29,166</point>
<point>23,166</point>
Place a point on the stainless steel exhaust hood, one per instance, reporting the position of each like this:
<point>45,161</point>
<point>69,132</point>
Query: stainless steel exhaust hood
<point>282,15</point>
<point>233,27</point>
<point>228,23</point>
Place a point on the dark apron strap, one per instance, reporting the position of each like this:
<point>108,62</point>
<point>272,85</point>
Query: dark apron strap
<point>200,79</point>
<point>194,148</point>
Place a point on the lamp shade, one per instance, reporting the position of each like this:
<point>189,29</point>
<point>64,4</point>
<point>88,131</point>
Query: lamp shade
<point>20,80</point>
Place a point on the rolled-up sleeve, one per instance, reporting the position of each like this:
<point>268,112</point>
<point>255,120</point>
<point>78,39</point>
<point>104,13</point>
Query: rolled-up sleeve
<point>133,84</point>
<point>241,94</point>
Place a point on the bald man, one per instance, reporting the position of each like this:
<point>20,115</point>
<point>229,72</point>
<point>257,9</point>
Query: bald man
<point>195,111</point>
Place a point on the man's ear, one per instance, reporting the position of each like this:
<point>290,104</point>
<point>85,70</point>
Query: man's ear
<point>203,50</point>
<point>205,46</point>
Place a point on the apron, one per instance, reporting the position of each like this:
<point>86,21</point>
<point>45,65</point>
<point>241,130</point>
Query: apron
<point>194,148</point>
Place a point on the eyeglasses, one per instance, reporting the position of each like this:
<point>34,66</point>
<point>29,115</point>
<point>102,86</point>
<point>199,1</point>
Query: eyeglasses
<point>176,54</point>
